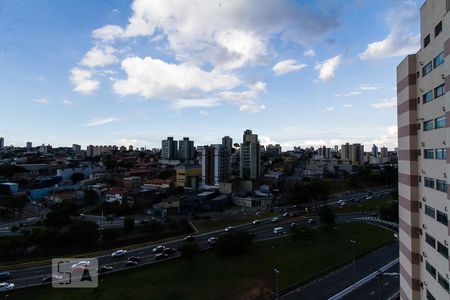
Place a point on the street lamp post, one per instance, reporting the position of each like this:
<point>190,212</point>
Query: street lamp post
<point>354,263</point>
<point>277,273</point>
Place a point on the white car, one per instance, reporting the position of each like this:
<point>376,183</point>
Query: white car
<point>278,230</point>
<point>81,264</point>
<point>275,219</point>
<point>229,229</point>
<point>158,249</point>
<point>119,253</point>
<point>6,286</point>
<point>255,222</point>
<point>212,240</point>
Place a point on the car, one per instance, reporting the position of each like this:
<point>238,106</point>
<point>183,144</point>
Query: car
<point>5,275</point>
<point>311,221</point>
<point>293,224</point>
<point>275,219</point>
<point>212,240</point>
<point>51,278</point>
<point>286,214</point>
<point>229,229</point>
<point>144,222</point>
<point>158,249</point>
<point>368,197</point>
<point>342,203</point>
<point>256,222</point>
<point>6,286</point>
<point>169,251</point>
<point>119,253</point>
<point>189,238</point>
<point>104,269</point>
<point>160,256</point>
<point>278,230</point>
<point>81,264</point>
<point>134,258</point>
<point>130,263</point>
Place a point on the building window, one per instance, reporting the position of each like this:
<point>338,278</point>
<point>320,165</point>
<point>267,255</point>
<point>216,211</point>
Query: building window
<point>439,122</point>
<point>442,250</point>
<point>429,211</point>
<point>427,69</point>
<point>428,153</point>
<point>430,240</point>
<point>442,218</point>
<point>438,29</point>
<point>429,182</point>
<point>430,269</point>
<point>441,185</point>
<point>426,41</point>
<point>428,125</point>
<point>439,91</point>
<point>438,60</point>
<point>441,153</point>
<point>429,296</point>
<point>443,282</point>
<point>427,97</point>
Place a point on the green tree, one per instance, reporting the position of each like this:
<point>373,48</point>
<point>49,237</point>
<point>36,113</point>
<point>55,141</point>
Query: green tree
<point>76,177</point>
<point>189,249</point>
<point>81,234</point>
<point>128,223</point>
<point>234,243</point>
<point>90,196</point>
<point>327,216</point>
<point>302,233</point>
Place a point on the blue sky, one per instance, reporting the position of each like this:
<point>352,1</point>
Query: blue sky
<point>298,73</point>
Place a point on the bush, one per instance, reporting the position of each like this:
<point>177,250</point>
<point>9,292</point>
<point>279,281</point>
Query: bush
<point>327,216</point>
<point>234,243</point>
<point>302,233</point>
<point>189,249</point>
<point>128,224</point>
<point>14,228</point>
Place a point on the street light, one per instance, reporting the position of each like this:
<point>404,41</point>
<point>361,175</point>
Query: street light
<point>277,273</point>
<point>354,263</point>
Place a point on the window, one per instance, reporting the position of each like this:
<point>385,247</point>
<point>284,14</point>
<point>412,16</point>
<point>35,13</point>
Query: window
<point>439,91</point>
<point>428,125</point>
<point>426,41</point>
<point>429,296</point>
<point>427,69</point>
<point>439,122</point>
<point>441,185</point>
<point>442,218</point>
<point>428,154</point>
<point>438,29</point>
<point>438,60</point>
<point>442,250</point>
<point>430,240</point>
<point>429,211</point>
<point>429,182</point>
<point>427,97</point>
<point>441,153</point>
<point>430,269</point>
<point>443,282</point>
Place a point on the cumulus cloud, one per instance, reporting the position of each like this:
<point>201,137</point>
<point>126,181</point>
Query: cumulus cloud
<point>99,57</point>
<point>385,103</point>
<point>287,66</point>
<point>247,100</point>
<point>401,40</point>
<point>327,69</point>
<point>66,102</point>
<point>108,32</point>
<point>180,104</point>
<point>100,121</point>
<point>83,81</point>
<point>329,108</point>
<point>42,101</point>
<point>309,53</point>
<point>202,112</point>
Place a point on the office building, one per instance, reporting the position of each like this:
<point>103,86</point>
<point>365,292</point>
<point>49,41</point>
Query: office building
<point>227,142</point>
<point>423,82</point>
<point>93,151</point>
<point>374,150</point>
<point>216,165</point>
<point>186,149</point>
<point>250,161</point>
<point>169,149</point>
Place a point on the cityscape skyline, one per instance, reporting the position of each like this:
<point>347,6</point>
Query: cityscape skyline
<point>292,89</point>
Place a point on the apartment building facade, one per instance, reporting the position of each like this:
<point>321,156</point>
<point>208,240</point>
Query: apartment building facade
<point>423,82</point>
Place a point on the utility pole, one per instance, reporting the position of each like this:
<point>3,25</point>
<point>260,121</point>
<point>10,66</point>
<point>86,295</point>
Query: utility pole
<point>277,273</point>
<point>354,262</point>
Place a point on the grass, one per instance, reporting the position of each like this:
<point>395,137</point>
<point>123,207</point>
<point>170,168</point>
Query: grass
<point>367,205</point>
<point>248,276</point>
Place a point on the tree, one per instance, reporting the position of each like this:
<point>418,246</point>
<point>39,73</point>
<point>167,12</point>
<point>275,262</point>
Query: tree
<point>189,249</point>
<point>90,196</point>
<point>234,243</point>
<point>128,223</point>
<point>82,233</point>
<point>302,233</point>
<point>327,216</point>
<point>76,177</point>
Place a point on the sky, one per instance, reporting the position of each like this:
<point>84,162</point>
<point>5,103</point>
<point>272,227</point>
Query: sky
<point>296,72</point>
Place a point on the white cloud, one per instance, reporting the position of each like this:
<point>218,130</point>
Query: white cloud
<point>348,105</point>
<point>108,32</point>
<point>100,121</point>
<point>385,103</point>
<point>368,87</point>
<point>329,108</point>
<point>309,53</point>
<point>247,99</point>
<point>66,102</point>
<point>400,41</point>
<point>155,78</point>
<point>328,68</point>
<point>99,57</point>
<point>180,104</point>
<point>287,66</point>
<point>352,93</point>
<point>202,112</point>
<point>42,101</point>
<point>83,82</point>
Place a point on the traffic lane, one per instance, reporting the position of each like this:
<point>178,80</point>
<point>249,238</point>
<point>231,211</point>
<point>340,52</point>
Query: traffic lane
<point>388,285</point>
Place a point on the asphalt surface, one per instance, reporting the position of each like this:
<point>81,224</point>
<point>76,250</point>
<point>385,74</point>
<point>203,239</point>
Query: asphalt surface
<point>339,280</point>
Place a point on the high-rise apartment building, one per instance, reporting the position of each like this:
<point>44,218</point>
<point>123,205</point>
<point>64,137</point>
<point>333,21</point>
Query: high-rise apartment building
<point>29,145</point>
<point>374,150</point>
<point>227,142</point>
<point>346,151</point>
<point>2,143</point>
<point>357,154</point>
<point>384,152</point>
<point>186,149</point>
<point>324,152</point>
<point>423,82</point>
<point>250,160</point>
<point>169,149</point>
<point>76,148</point>
<point>216,166</point>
